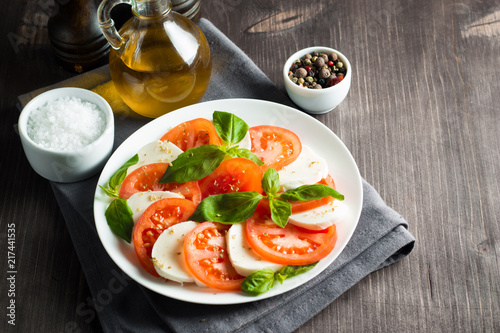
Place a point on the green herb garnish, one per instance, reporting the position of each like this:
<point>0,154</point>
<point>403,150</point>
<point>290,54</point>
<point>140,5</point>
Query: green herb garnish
<point>119,218</point>
<point>262,281</point>
<point>118,177</point>
<point>197,163</point>
<point>230,208</point>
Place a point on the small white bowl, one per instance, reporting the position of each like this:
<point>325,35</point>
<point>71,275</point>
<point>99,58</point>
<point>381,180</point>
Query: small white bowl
<point>317,101</point>
<point>68,166</point>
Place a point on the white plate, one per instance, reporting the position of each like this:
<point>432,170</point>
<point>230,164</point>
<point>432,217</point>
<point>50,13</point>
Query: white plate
<point>254,112</point>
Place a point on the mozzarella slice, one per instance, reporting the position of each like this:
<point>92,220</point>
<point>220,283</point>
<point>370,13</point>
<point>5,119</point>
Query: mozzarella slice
<point>168,253</point>
<point>138,202</point>
<point>308,168</point>
<point>156,152</point>
<point>244,260</point>
<point>321,217</point>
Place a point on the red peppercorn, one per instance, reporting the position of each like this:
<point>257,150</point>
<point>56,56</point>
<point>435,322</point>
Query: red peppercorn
<point>308,68</point>
<point>330,63</point>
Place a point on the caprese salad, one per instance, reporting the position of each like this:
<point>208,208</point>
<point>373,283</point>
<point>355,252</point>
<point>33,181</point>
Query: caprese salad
<point>224,205</point>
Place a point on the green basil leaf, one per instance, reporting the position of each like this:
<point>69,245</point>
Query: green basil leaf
<point>119,218</point>
<point>235,151</point>
<point>290,271</point>
<point>280,211</point>
<point>259,282</point>
<point>271,182</point>
<point>118,177</point>
<point>193,164</point>
<point>109,192</point>
<point>227,208</point>
<point>230,128</point>
<point>311,192</point>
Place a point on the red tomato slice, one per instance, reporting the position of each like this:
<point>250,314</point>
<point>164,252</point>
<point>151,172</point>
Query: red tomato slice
<point>290,245</point>
<point>275,146</point>
<point>156,218</point>
<point>146,178</point>
<point>193,133</point>
<point>232,175</point>
<point>207,257</point>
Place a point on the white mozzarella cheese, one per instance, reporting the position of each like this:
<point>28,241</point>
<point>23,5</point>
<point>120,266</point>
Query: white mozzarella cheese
<point>156,152</point>
<point>244,260</point>
<point>168,253</point>
<point>321,217</point>
<point>138,202</point>
<point>309,168</point>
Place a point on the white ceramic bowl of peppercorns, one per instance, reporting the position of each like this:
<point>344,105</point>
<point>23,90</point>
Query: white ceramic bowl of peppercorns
<point>317,78</point>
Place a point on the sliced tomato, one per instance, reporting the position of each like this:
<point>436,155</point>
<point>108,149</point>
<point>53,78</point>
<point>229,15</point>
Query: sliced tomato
<point>146,178</point>
<point>275,146</point>
<point>207,257</point>
<point>232,175</point>
<point>290,245</point>
<point>193,133</point>
<point>156,218</point>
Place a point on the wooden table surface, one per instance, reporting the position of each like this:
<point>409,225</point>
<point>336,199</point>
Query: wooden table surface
<point>420,120</point>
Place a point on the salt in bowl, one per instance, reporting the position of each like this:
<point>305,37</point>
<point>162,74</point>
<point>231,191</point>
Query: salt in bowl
<point>73,162</point>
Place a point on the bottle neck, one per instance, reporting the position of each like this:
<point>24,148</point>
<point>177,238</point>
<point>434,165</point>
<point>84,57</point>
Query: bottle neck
<point>151,8</point>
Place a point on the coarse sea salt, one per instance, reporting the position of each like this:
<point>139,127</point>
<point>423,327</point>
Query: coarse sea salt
<point>66,124</point>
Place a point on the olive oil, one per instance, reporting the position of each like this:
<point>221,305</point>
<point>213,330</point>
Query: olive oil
<point>158,80</point>
<point>160,60</point>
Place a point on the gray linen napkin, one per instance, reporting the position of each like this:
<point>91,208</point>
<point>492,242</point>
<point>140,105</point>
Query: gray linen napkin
<point>381,237</point>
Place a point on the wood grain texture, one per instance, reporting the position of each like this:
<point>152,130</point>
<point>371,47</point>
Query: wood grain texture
<point>422,121</point>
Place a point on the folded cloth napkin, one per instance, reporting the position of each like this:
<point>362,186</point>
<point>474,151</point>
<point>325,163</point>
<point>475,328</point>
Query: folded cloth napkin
<point>380,239</point>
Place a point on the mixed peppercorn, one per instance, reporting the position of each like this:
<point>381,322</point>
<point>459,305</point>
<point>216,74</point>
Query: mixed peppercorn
<point>317,70</point>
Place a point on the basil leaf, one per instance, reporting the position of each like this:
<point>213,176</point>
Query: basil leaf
<point>259,282</point>
<point>119,218</point>
<point>230,128</point>
<point>193,164</point>
<point>290,271</point>
<point>245,153</point>
<point>227,208</point>
<point>110,192</point>
<point>262,281</point>
<point>280,211</point>
<point>271,182</point>
<point>118,177</point>
<point>311,192</point>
